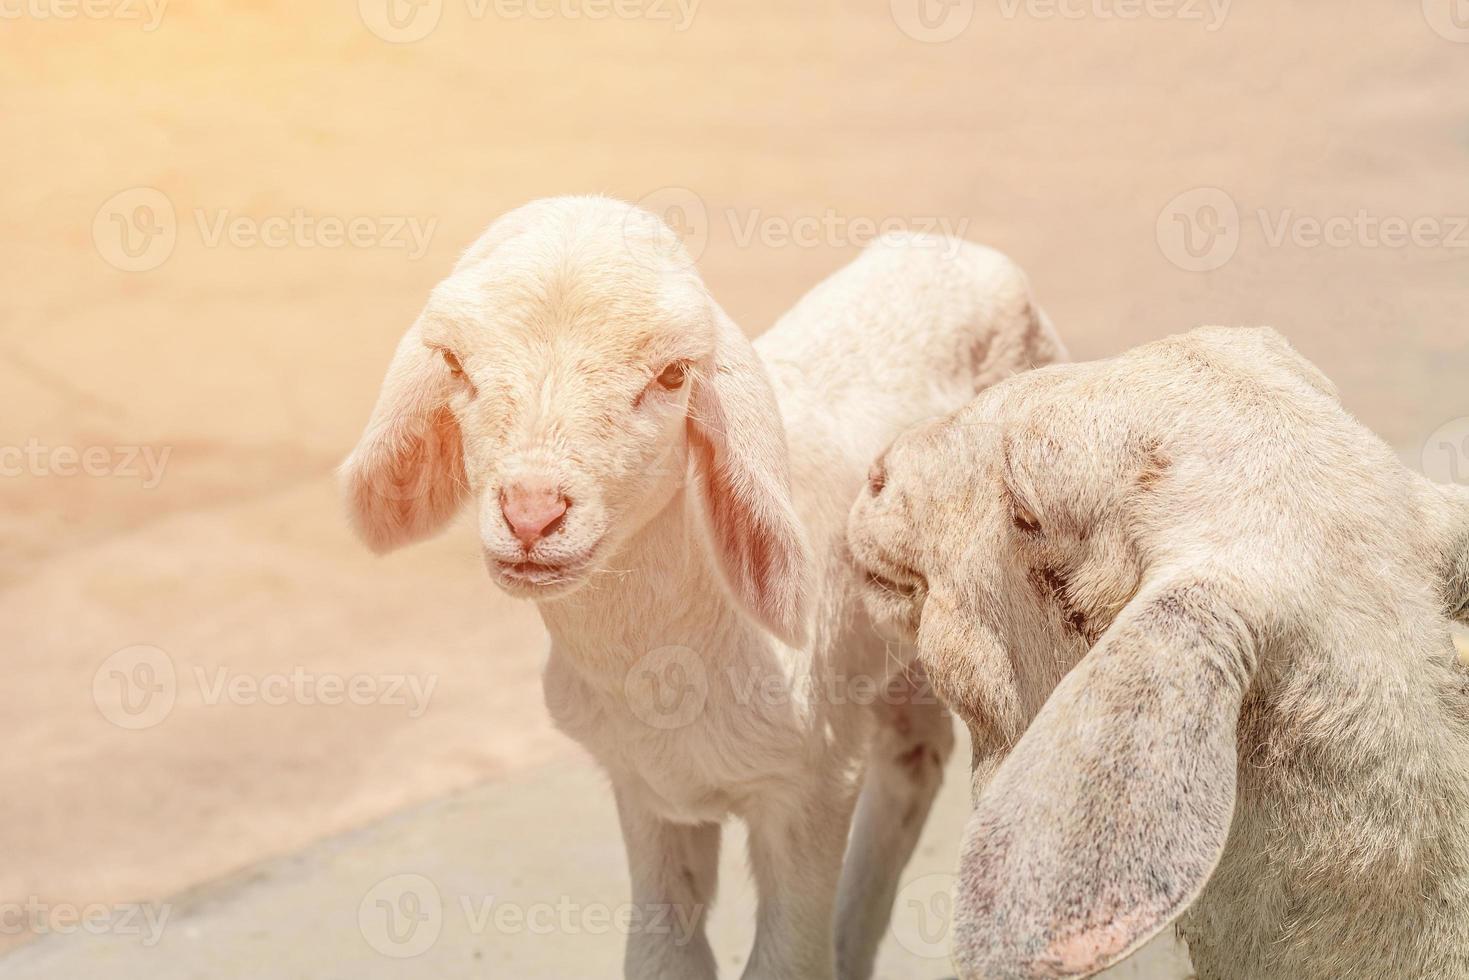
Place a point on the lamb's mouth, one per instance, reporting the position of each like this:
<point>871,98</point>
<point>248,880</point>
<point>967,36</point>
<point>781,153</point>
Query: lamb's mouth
<point>890,579</point>
<point>534,571</point>
<point>894,596</point>
<point>905,589</point>
<point>528,578</point>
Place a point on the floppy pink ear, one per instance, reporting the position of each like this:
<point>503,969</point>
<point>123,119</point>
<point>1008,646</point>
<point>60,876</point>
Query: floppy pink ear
<point>742,485</point>
<point>405,479</point>
<point>1112,812</point>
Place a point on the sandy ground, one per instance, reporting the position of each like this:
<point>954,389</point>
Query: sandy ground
<point>154,617</point>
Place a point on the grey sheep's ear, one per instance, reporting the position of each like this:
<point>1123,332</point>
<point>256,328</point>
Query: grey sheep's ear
<point>1448,519</point>
<point>1112,812</point>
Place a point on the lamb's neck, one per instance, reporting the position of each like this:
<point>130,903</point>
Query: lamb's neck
<point>1398,757</point>
<point>661,590</point>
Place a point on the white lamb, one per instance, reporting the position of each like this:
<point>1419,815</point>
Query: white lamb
<point>623,444</point>
<point>1198,621</point>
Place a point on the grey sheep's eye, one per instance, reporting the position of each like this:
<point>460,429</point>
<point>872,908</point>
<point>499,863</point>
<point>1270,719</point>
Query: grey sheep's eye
<point>1023,518</point>
<point>877,478</point>
<point>674,376</point>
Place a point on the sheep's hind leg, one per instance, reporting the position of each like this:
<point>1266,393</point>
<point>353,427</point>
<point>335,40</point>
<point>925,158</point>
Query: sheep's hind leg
<point>914,739</point>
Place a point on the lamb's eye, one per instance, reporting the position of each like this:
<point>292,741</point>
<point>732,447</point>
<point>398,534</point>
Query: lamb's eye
<point>877,477</point>
<point>1023,518</point>
<point>452,360</point>
<point>674,376</point>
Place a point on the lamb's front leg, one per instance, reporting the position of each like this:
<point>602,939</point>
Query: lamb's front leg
<point>796,849</point>
<point>674,870</point>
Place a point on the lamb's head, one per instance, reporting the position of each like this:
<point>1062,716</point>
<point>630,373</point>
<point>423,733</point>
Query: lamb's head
<point>1004,540</point>
<point>1090,559</point>
<point>571,377</point>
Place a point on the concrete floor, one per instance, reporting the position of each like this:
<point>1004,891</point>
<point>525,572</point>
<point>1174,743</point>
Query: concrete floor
<point>515,879</point>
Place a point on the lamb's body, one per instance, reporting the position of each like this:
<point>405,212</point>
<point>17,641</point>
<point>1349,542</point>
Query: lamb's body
<point>907,332</point>
<point>754,728</point>
<point>1349,854</point>
<point>1348,858</point>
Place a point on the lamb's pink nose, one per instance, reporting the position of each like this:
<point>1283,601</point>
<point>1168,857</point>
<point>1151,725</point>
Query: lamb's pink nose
<point>534,509</point>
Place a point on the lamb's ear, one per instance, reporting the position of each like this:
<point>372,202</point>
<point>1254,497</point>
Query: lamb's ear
<point>1112,812</point>
<point>741,472</point>
<point>405,479</point>
<point>1448,518</point>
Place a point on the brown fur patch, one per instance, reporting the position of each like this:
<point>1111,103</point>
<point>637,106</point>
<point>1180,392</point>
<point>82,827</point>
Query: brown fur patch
<point>1156,464</point>
<point>1052,585</point>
